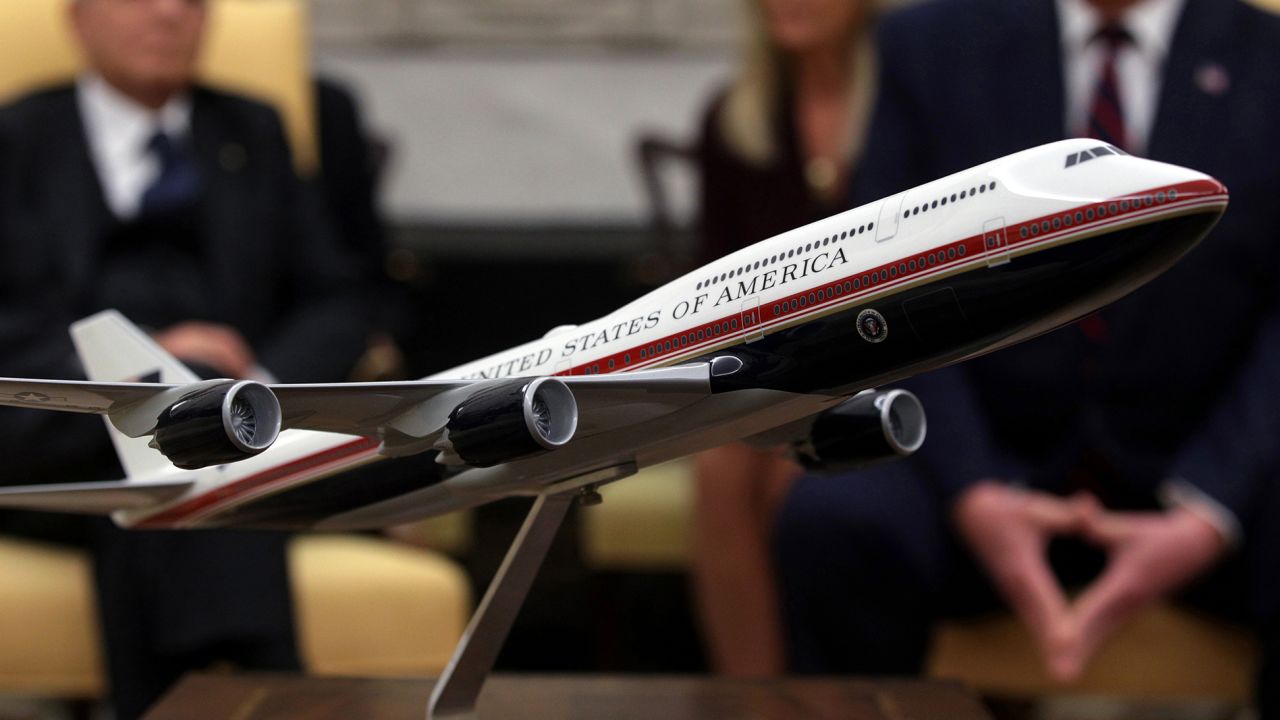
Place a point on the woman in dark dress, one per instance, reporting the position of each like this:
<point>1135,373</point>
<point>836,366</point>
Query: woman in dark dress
<point>777,149</point>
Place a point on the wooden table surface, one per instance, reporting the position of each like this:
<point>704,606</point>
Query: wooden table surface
<point>569,697</point>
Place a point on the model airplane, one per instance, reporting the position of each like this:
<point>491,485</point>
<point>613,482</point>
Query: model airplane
<point>782,341</point>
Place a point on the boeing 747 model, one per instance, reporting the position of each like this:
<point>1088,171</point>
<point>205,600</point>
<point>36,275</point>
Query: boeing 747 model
<point>784,341</point>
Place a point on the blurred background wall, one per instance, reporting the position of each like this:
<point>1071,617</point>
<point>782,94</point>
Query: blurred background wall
<point>524,113</point>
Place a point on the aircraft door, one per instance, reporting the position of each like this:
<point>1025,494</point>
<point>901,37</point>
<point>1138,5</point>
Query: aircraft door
<point>995,243</point>
<point>752,322</point>
<point>890,215</point>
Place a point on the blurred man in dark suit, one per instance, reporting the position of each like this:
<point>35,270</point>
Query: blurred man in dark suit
<point>1131,454</point>
<point>138,190</point>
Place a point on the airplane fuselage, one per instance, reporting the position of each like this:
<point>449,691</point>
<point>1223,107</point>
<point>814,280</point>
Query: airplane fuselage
<point>955,268</point>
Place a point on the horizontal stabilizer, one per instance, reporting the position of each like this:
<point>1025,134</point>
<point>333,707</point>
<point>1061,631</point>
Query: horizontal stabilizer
<point>99,498</point>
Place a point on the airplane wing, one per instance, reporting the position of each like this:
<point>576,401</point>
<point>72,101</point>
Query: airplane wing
<point>77,396</point>
<point>359,408</point>
<point>353,408</point>
<point>418,408</point>
<point>607,402</point>
<point>604,401</point>
<point>98,498</point>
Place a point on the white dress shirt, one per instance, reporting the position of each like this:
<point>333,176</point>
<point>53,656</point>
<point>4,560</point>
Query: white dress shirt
<point>1139,64</point>
<point>118,130</point>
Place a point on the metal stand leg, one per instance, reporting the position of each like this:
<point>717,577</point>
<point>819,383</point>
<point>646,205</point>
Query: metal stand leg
<point>456,692</point>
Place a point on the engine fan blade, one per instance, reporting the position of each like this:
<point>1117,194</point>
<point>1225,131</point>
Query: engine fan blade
<point>244,422</point>
<point>542,416</point>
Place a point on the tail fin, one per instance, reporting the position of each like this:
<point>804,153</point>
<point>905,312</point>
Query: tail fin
<point>112,349</point>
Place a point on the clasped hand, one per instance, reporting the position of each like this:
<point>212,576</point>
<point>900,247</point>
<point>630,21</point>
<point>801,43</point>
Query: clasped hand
<point>219,347</point>
<point>1149,555</point>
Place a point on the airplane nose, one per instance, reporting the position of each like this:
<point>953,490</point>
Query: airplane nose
<point>1171,217</point>
<point>1159,190</point>
<point>1188,193</point>
<point>1201,192</point>
<point>1210,187</point>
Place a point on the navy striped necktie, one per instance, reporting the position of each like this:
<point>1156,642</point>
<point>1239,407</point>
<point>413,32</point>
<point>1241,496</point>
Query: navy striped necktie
<point>178,185</point>
<point>1106,112</point>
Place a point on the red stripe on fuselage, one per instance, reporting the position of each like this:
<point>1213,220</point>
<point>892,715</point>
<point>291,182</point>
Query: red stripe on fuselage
<point>273,477</point>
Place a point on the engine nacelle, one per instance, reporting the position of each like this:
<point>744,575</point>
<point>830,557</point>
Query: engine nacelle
<point>863,430</point>
<point>217,425</point>
<point>509,421</point>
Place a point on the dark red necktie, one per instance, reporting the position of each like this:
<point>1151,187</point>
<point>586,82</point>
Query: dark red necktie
<point>1106,112</point>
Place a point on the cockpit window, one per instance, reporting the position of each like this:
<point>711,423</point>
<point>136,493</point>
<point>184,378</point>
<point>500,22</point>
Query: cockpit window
<point>1097,152</point>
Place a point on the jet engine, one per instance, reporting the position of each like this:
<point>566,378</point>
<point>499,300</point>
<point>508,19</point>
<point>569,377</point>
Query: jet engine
<point>509,421</point>
<point>219,424</point>
<point>863,430</point>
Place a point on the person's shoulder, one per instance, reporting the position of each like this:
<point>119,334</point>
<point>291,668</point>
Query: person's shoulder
<point>254,124</point>
<point>1250,13</point>
<point>335,97</point>
<point>940,15</point>
<point>1253,36</point>
<point>34,109</point>
<point>920,24</point>
<point>1262,26</point>
<point>234,106</point>
<point>709,122</point>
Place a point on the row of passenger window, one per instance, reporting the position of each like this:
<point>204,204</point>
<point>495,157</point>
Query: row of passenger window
<point>954,197</point>
<point>873,278</point>
<point>1082,216</point>
<point>942,202</point>
<point>815,297</point>
<point>693,336</point>
<point>594,369</point>
<point>715,280</point>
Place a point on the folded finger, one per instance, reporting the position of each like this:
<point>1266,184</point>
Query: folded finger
<point>1107,528</point>
<point>1052,513</point>
<point>1106,606</point>
<point>1039,601</point>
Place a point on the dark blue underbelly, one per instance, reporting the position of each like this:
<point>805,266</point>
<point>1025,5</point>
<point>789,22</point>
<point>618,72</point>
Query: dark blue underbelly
<point>962,315</point>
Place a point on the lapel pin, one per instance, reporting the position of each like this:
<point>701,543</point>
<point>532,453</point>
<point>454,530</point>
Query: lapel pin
<point>1213,79</point>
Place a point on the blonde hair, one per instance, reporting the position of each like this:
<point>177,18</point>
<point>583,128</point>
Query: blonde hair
<point>747,117</point>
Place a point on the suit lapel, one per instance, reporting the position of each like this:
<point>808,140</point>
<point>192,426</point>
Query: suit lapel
<point>1023,85</point>
<point>224,221</point>
<point>1196,84</point>
<point>79,217</point>
<point>1038,67</point>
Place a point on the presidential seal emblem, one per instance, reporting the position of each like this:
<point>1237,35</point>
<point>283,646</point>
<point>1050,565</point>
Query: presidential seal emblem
<point>872,327</point>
